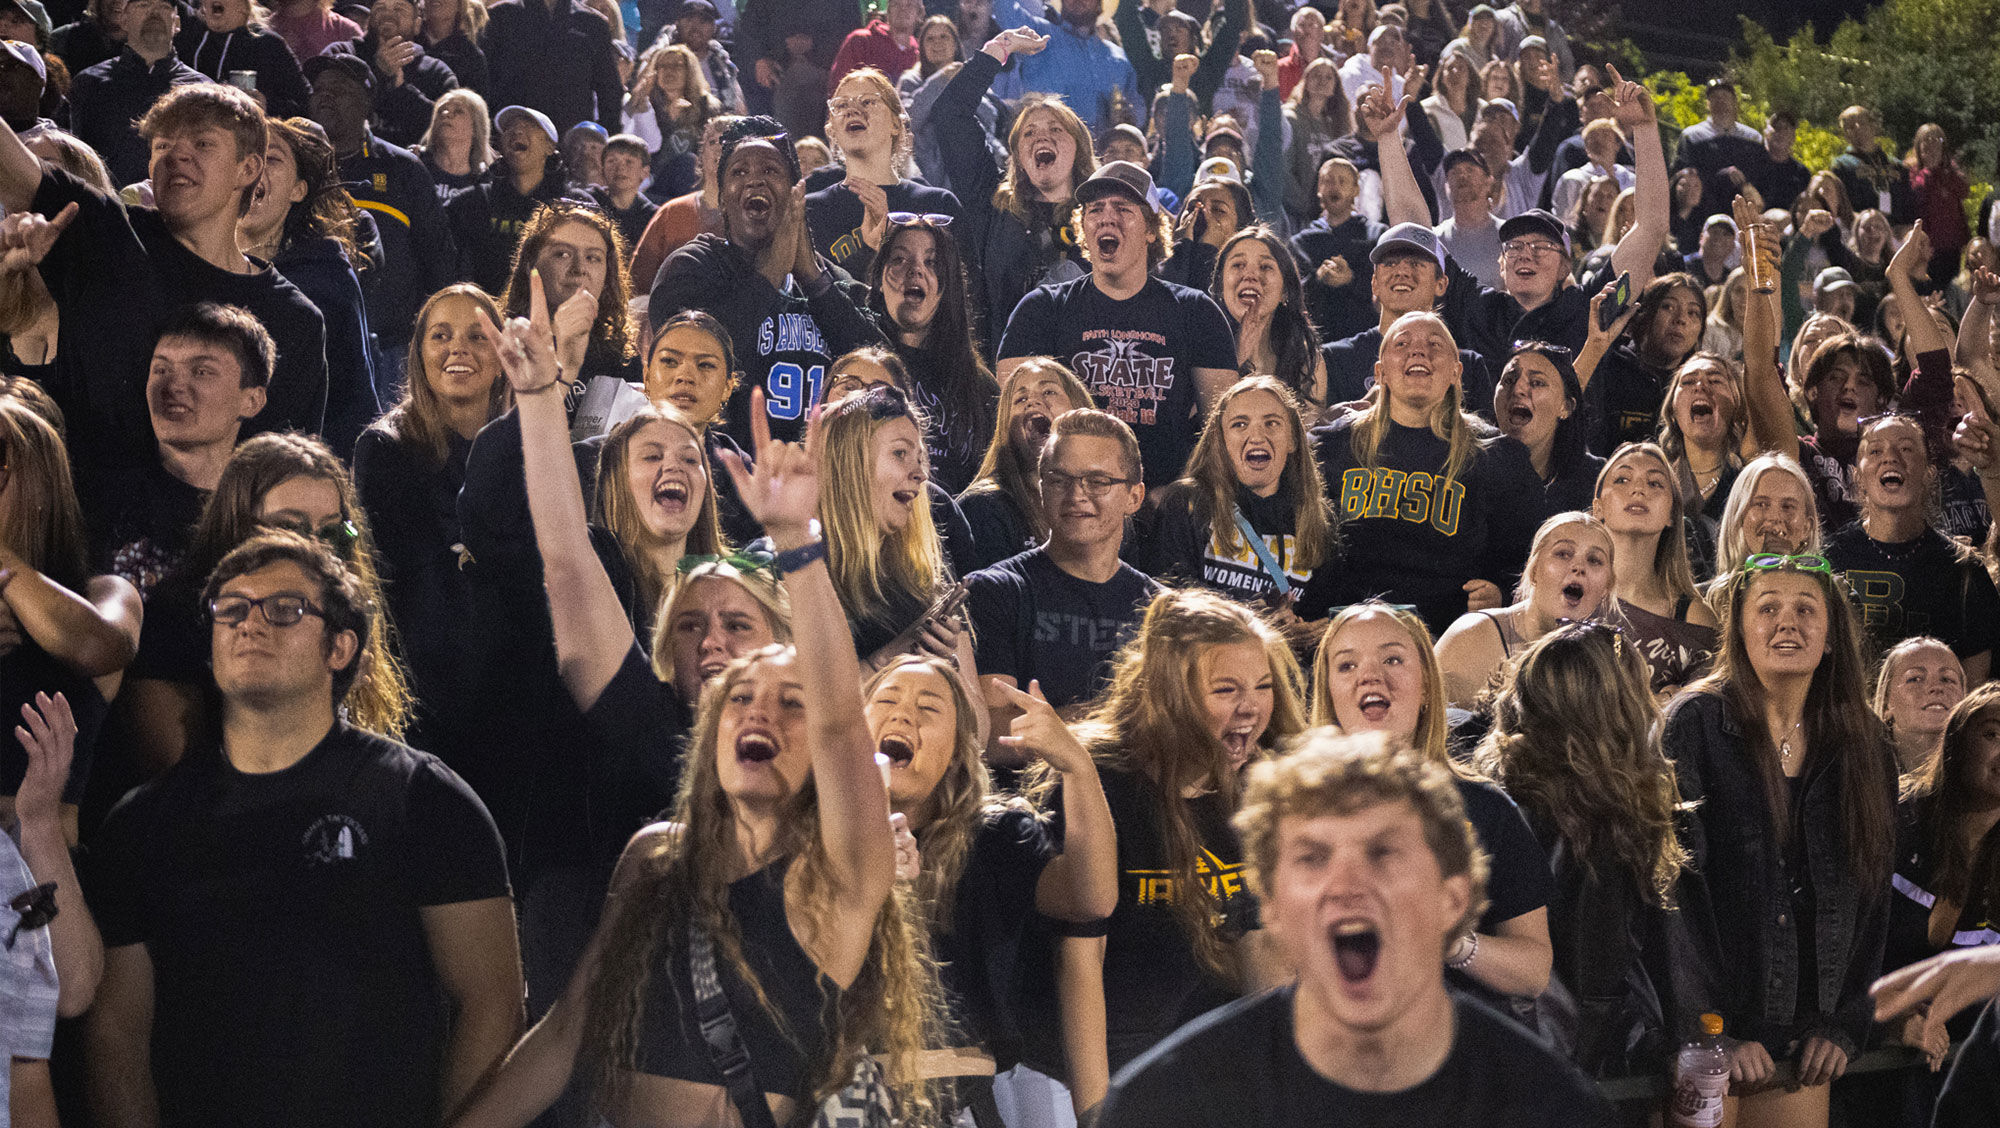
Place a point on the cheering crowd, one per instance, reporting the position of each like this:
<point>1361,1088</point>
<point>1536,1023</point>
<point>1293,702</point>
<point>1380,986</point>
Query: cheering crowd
<point>569,562</point>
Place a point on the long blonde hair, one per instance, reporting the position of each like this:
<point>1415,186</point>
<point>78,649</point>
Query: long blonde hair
<point>885,582</point>
<point>890,1009</point>
<point>1670,555</point>
<point>759,584</point>
<point>481,156</point>
<point>1433,735</point>
<point>1448,422</point>
<point>1003,469</point>
<point>1209,471</point>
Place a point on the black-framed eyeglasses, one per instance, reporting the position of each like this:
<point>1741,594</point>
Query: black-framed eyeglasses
<point>284,609</point>
<point>1778,562</point>
<point>37,907</point>
<point>905,219</point>
<point>1094,485</point>
<point>743,560</point>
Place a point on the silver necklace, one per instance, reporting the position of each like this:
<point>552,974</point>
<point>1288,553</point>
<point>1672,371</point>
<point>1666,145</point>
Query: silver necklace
<point>1785,745</point>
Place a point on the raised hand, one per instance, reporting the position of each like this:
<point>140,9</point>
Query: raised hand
<point>1266,63</point>
<point>527,345</point>
<point>874,210</point>
<point>1608,335</point>
<point>1913,258</point>
<point>1547,78</point>
<point>1183,72</point>
<point>1414,77</point>
<point>27,238</point>
<point>1631,104</point>
<point>782,489</point>
<point>1015,41</point>
<point>393,55</point>
<point>1986,287</point>
<point>571,326</point>
<point>1976,438</point>
<point>805,264</point>
<point>1765,243</point>
<point>1334,271</point>
<point>1038,731</point>
<point>48,735</point>
<point>1817,222</point>
<point>909,860</point>
<point>1378,115</point>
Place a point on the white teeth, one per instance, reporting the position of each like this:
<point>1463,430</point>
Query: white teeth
<point>1352,928</point>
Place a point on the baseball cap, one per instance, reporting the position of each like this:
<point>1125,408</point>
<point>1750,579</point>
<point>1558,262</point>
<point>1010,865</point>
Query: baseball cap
<point>1120,178</point>
<point>1534,43</point>
<point>1720,220</point>
<point>27,56</point>
<point>1535,221</point>
<point>1503,104</point>
<point>700,8</point>
<point>352,66</point>
<point>1464,156</point>
<point>1222,129</point>
<point>1125,130</point>
<point>1218,168</point>
<point>1833,278</point>
<point>36,13</point>
<point>1408,237</point>
<point>515,113</point>
<point>590,127</point>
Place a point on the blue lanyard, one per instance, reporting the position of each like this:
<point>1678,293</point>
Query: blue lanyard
<point>1264,556</point>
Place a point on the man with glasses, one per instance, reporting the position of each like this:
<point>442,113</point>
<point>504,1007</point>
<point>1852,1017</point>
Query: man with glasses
<point>1056,614</point>
<point>1534,300</point>
<point>305,924</point>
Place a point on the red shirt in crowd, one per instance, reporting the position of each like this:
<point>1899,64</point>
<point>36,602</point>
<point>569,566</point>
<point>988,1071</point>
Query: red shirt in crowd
<point>872,46</point>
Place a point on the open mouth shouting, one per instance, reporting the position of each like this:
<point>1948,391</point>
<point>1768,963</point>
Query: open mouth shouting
<point>1519,413</point>
<point>1251,295</point>
<point>1035,422</point>
<point>671,494</point>
<point>756,746</point>
<point>1043,156</point>
<point>1572,597</point>
<point>1701,410</point>
<point>758,205</point>
<point>1374,706</point>
<point>1357,948</point>
<point>906,497</point>
<point>1107,243</point>
<point>855,125</point>
<point>898,747</point>
<point>1258,457</point>
<point>1241,741</point>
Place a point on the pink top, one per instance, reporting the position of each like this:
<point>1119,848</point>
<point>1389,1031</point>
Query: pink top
<point>313,32</point>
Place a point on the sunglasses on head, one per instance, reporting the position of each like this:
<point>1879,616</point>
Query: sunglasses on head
<point>1776,562</point>
<point>906,219</point>
<point>743,560</point>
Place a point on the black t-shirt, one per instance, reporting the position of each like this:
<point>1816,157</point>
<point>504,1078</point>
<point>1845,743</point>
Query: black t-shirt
<point>1187,543</point>
<point>1622,403</point>
<point>141,518</point>
<point>999,528</point>
<point>1413,536</point>
<point>1240,1066</point>
<point>26,671</point>
<point>1136,356</point>
<point>118,274</point>
<point>979,956</point>
<point>1518,879</point>
<point>1965,511</point>
<point>1034,621</point>
<point>292,980</point>
<point>834,214</point>
<point>1919,587</point>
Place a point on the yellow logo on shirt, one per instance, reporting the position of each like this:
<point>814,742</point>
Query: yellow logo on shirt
<point>1223,880</point>
<point>1415,496</point>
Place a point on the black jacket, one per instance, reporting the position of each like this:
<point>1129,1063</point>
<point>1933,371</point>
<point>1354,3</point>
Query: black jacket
<point>560,63</point>
<point>1745,896</point>
<point>108,98</point>
<point>319,268</point>
<point>418,256</point>
<point>463,56</point>
<point>83,44</point>
<point>402,111</point>
<point>1338,311</point>
<point>764,25</point>
<point>214,54</point>
<point>486,220</point>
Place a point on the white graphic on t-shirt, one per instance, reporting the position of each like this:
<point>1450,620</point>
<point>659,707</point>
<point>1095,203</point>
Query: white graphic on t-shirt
<point>333,838</point>
<point>1127,382</point>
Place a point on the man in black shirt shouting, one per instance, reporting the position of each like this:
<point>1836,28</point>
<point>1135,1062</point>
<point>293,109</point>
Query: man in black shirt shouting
<point>305,924</point>
<point>1368,874</point>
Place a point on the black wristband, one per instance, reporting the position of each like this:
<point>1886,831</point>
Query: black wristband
<point>797,559</point>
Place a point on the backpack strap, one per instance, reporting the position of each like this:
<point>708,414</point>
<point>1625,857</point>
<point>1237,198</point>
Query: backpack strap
<point>718,1029</point>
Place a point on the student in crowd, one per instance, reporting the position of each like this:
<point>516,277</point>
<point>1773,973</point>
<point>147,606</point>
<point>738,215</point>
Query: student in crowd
<point>366,878</point>
<point>457,149</point>
<point>142,264</point>
<point>1434,512</point>
<point>408,79</point>
<point>450,33</point>
<point>486,219</point>
<point>1628,367</point>
<point>1377,673</point>
<point>1905,575</point>
<point>1252,475</point>
<point>1568,579</point>
<point>718,610</point>
<point>1003,505</point>
<point>1770,509</point>
<point>31,321</point>
<point>304,224</point>
<point>1705,431</point>
<point>408,468</point>
<point>1333,251</point>
<point>1575,741</point>
<point>1794,833</point>
<point>1057,613</point>
<point>693,367</point>
<point>1152,353</point>
<point>234,36</point>
<point>625,159</point>
<point>917,288</point>
<point>67,632</point>
<point>785,890</point>
<point>1406,275</point>
<point>1257,285</point>
<point>1027,236</point>
<point>683,217</point>
<point>580,258</point>
<point>58,957</point>
<point>868,127</point>
<point>1205,689</point>
<point>1920,681</point>
<point>1369,875</point>
<point>989,863</point>
<point>1654,596</point>
<point>762,271</point>
<point>1537,401</point>
<point>283,481</point>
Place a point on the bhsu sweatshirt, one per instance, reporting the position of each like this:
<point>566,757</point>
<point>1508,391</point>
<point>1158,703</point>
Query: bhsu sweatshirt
<point>1411,535</point>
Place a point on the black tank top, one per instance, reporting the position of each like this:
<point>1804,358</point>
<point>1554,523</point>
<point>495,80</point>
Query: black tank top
<point>786,1060</point>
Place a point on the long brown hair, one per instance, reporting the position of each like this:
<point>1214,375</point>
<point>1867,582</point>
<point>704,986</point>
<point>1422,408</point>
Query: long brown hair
<point>1209,471</point>
<point>327,212</point>
<point>418,420</point>
<point>1015,191</point>
<point>1945,795</point>
<point>1152,723</point>
<point>890,1007</point>
<point>618,512</point>
<point>613,329</point>
<point>1575,741</point>
<point>1004,469</point>
<point>1838,723</point>
<point>1670,554</point>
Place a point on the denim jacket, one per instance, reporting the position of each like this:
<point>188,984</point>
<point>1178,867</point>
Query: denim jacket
<point>1745,898</point>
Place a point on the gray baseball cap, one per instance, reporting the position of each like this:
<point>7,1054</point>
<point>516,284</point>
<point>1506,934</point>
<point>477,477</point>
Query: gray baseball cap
<point>1409,237</point>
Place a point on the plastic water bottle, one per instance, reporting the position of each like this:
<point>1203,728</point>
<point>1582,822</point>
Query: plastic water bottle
<point>1701,1078</point>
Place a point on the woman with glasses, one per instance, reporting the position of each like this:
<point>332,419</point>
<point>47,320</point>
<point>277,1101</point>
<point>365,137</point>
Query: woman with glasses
<point>1575,741</point>
<point>1003,505</point>
<point>1433,513</point>
<point>917,287</point>
<point>1568,578</point>
<point>1654,596</point>
<point>1538,401</point>
<point>1907,577</point>
<point>1257,284</point>
<point>848,208</point>
<point>272,481</point>
<point>1376,672</point>
<point>64,630</point>
<point>1793,833</point>
<point>1921,680</point>
<point>1250,518</point>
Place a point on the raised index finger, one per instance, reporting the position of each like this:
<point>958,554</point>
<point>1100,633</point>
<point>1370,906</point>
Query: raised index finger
<point>538,302</point>
<point>760,426</point>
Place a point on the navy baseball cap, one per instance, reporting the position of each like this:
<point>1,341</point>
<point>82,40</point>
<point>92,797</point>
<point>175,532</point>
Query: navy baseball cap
<point>1535,221</point>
